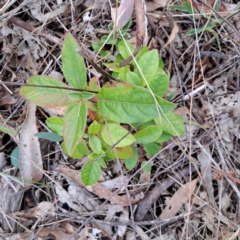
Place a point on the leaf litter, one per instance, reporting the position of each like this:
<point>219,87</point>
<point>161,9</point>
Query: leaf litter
<point>175,199</point>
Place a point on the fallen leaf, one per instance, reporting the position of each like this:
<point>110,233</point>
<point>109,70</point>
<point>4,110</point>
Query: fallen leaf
<point>178,199</point>
<point>173,33</point>
<point>30,158</point>
<point>48,232</point>
<point>98,189</point>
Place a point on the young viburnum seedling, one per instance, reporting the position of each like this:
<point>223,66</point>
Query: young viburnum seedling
<point>96,122</point>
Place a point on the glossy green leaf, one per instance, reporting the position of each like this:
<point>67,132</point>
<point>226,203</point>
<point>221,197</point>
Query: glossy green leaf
<point>15,158</point>
<point>131,162</point>
<point>74,125</point>
<point>94,128</point>
<point>159,83</point>
<point>56,125</point>
<point>79,151</point>
<point>49,136</point>
<point>146,167</point>
<point>149,134</point>
<point>73,63</point>
<point>123,49</point>
<point>95,144</point>
<point>130,104</point>
<point>148,65</point>
<point>133,78</point>
<point>43,96</point>
<point>112,133</point>
<point>171,123</point>
<point>151,148</point>
<point>7,130</point>
<point>91,172</point>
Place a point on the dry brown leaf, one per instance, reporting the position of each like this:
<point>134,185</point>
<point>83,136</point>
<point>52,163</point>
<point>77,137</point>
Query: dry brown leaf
<point>30,158</point>
<point>48,232</point>
<point>43,210</point>
<point>173,33</point>
<point>57,110</point>
<point>206,168</point>
<point>98,189</point>
<point>178,199</point>
<point>68,227</point>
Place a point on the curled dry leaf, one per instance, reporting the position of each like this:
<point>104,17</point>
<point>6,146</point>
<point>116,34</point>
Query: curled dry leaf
<point>123,13</point>
<point>173,33</point>
<point>30,158</point>
<point>43,210</point>
<point>98,189</point>
<point>178,199</point>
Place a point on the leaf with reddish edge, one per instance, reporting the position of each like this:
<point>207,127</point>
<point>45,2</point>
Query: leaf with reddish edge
<point>43,96</point>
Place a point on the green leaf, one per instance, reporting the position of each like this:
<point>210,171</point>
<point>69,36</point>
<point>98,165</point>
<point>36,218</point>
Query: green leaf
<point>96,45</point>
<point>106,40</point>
<point>161,64</point>
<point>91,172</point>
<point>15,158</point>
<point>49,136</point>
<point>79,151</point>
<point>159,83</point>
<point>112,133</point>
<point>123,49</point>
<point>172,124</point>
<point>123,72</point>
<point>98,159</point>
<point>8,131</point>
<point>94,128</point>
<point>93,84</point>
<point>127,26</point>
<point>95,144</point>
<point>164,137</point>
<point>73,63</point>
<point>185,120</point>
<point>149,134</point>
<point>147,124</point>
<point>130,104</point>
<point>148,65</point>
<point>45,97</point>
<point>141,52</point>
<point>151,148</point>
<point>131,162</point>
<point>122,153</point>
<point>56,125</point>
<point>146,167</point>
<point>133,78</point>
<point>74,125</point>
